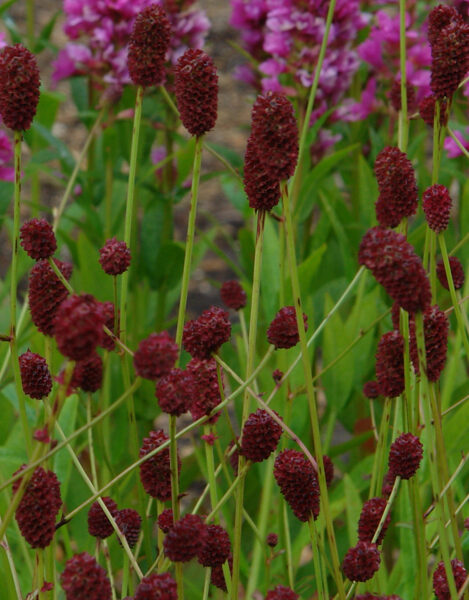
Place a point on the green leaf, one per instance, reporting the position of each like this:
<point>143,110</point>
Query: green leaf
<point>169,265</point>
<point>233,189</point>
<point>62,460</point>
<point>150,239</point>
<point>353,506</point>
<point>6,5</point>
<point>45,33</point>
<point>89,276</point>
<point>270,269</point>
<point>308,269</point>
<point>47,136</point>
<point>368,191</point>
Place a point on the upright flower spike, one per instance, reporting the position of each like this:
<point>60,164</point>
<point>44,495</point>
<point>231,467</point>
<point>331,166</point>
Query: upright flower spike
<point>395,96</point>
<point>175,392</point>
<point>390,364</point>
<point>38,239</point>
<point>440,581</point>
<point>427,111</point>
<point>262,189</point>
<point>435,328</point>
<point>370,518</point>
<point>196,89</point>
<point>155,355</point>
<point>436,203</point>
<point>283,331</point>
<point>35,375</point>
<point>129,523</point>
<point>155,473</point>
<point>232,295</point>
<point>438,19</point>
<point>207,333</point>
<point>107,310</point>
<point>185,538</point>
<point>149,43</point>
<point>158,586</point>
<point>281,592</point>
<point>19,87</point>
<point>46,293</point>
<point>165,520</point>
<point>216,547</point>
<point>275,134</point>
<point>261,435</point>
<point>98,524</point>
<point>84,579</point>
<point>206,389</point>
<point>361,562</point>
<point>114,257</point>
<point>397,187</point>
<point>457,273</point>
<point>450,58</point>
<point>88,373</point>
<point>405,455</point>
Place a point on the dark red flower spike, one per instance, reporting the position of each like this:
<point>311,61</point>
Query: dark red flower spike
<point>38,239</point>
<point>361,562</point>
<point>405,455</point>
<point>207,333</point>
<point>155,355</point>
<point>283,331</point>
<point>36,379</point>
<point>84,579</point>
<point>114,257</point>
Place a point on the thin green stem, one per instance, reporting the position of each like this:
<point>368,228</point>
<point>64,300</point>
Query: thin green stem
<point>419,529</point>
<point>387,508</point>
<point>208,573</point>
<point>288,547</point>
<point>107,558</point>
<point>40,573</point>
<point>11,564</point>
<point>316,559</point>
<point>125,576</point>
<point>90,442</point>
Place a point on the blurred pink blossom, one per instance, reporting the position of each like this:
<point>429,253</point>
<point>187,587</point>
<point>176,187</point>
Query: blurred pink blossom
<point>452,149</point>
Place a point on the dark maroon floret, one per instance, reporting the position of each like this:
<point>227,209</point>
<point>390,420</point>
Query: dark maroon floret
<point>395,96</point>
<point>78,326</point>
<point>175,391</point>
<point>277,376</point>
<point>216,547</point>
<point>114,257</point>
<point>19,87</point>
<point>84,579</point>
<point>388,484</point>
<point>261,435</point>
<point>436,204</point>
<point>370,517</point>
<point>450,58</point>
<point>46,293</point>
<point>281,592</point>
<point>272,540</point>
<point>398,194</point>
<point>297,480</point>
<point>166,520</point>
<point>438,18</point>
<point>155,473</point>
<point>157,586</point>
<point>148,45</point>
<point>38,239</point>
<point>107,309</point>
<point>275,134</point>
<point>234,456</point>
<point>328,469</point>
<point>283,331</point>
<point>232,295</point>
<point>206,334</point>
<point>435,328</point>
<point>396,266</point>
<point>155,355</point>
<point>36,379</point>
<point>371,390</point>
<point>217,577</point>
<point>361,562</point>
<point>88,374</point>
<point>262,189</point>
<point>427,111</point>
<point>185,539</point>
<point>457,273</point>
<point>196,89</point>
<point>440,581</point>
<point>390,364</point>
<point>98,524</point>
<point>206,388</point>
<point>38,508</point>
<point>129,523</point>
<point>405,455</point>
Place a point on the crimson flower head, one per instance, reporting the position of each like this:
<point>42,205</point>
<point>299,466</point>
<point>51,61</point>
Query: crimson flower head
<point>405,455</point>
<point>129,523</point>
<point>232,295</point>
<point>438,19</point>
<point>196,89</point>
<point>78,326</point>
<point>165,520</point>
<point>206,334</point>
<point>436,204</point>
<point>275,134</point>
<point>148,45</point>
<point>217,576</point>
<point>283,331</point>
<point>361,562</point>
<point>38,239</point>
<point>427,111</point>
<point>216,547</point>
<point>98,524</point>
<point>390,364</point>
<point>88,373</point>
<point>157,586</point>
<point>84,579</point>
<point>371,390</point>
<point>396,266</point>
<point>38,508</point>
<point>435,329</point>
<point>395,96</point>
<point>261,187</point>
<point>155,355</point>
<point>107,309</point>
<point>175,392</point>
<point>281,592</point>
<point>36,379</point>
<point>298,483</point>
<point>46,293</point>
<point>114,257</point>
<point>19,87</point>
<point>457,273</point>
<point>440,581</point>
<point>397,187</point>
<point>206,388</point>
<point>155,473</point>
<point>261,435</point>
<point>370,518</point>
<point>185,539</point>
<point>272,539</point>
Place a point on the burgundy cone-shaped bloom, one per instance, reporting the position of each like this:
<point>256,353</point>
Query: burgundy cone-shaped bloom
<point>395,96</point>
<point>328,469</point>
<point>216,547</point>
<point>175,391</point>
<point>272,540</point>
<point>405,455</point>
<point>114,257</point>
<point>457,273</point>
<point>107,309</point>
<point>36,379</point>
<point>19,87</point>
<point>38,508</point>
<point>98,524</point>
<point>157,586</point>
<point>206,334</point>
<point>84,579</point>
<point>438,19</point>
<point>388,484</point>
<point>148,45</point>
<point>155,355</point>
<point>435,328</point>
<point>297,480</point>
<point>275,134</point>
<point>46,293</point>
<point>450,58</point>
<point>262,189</point>
<point>361,562</point>
<point>234,457</point>
<point>217,577</point>
<point>394,264</point>
<point>371,390</point>
<point>232,295</point>
<point>129,523</point>
<point>261,435</point>
<point>436,204</point>
<point>281,592</point>
<point>38,239</point>
<point>88,373</point>
<point>78,326</point>
<point>398,192</point>
<point>427,111</point>
<point>370,517</point>
<point>283,331</point>
<point>390,364</point>
<point>440,581</point>
<point>185,539</point>
<point>206,388</point>
<point>155,473</point>
<point>166,520</point>
<point>196,89</point>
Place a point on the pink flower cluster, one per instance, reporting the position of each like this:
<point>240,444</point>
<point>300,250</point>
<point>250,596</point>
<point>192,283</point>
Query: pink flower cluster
<point>105,27</point>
